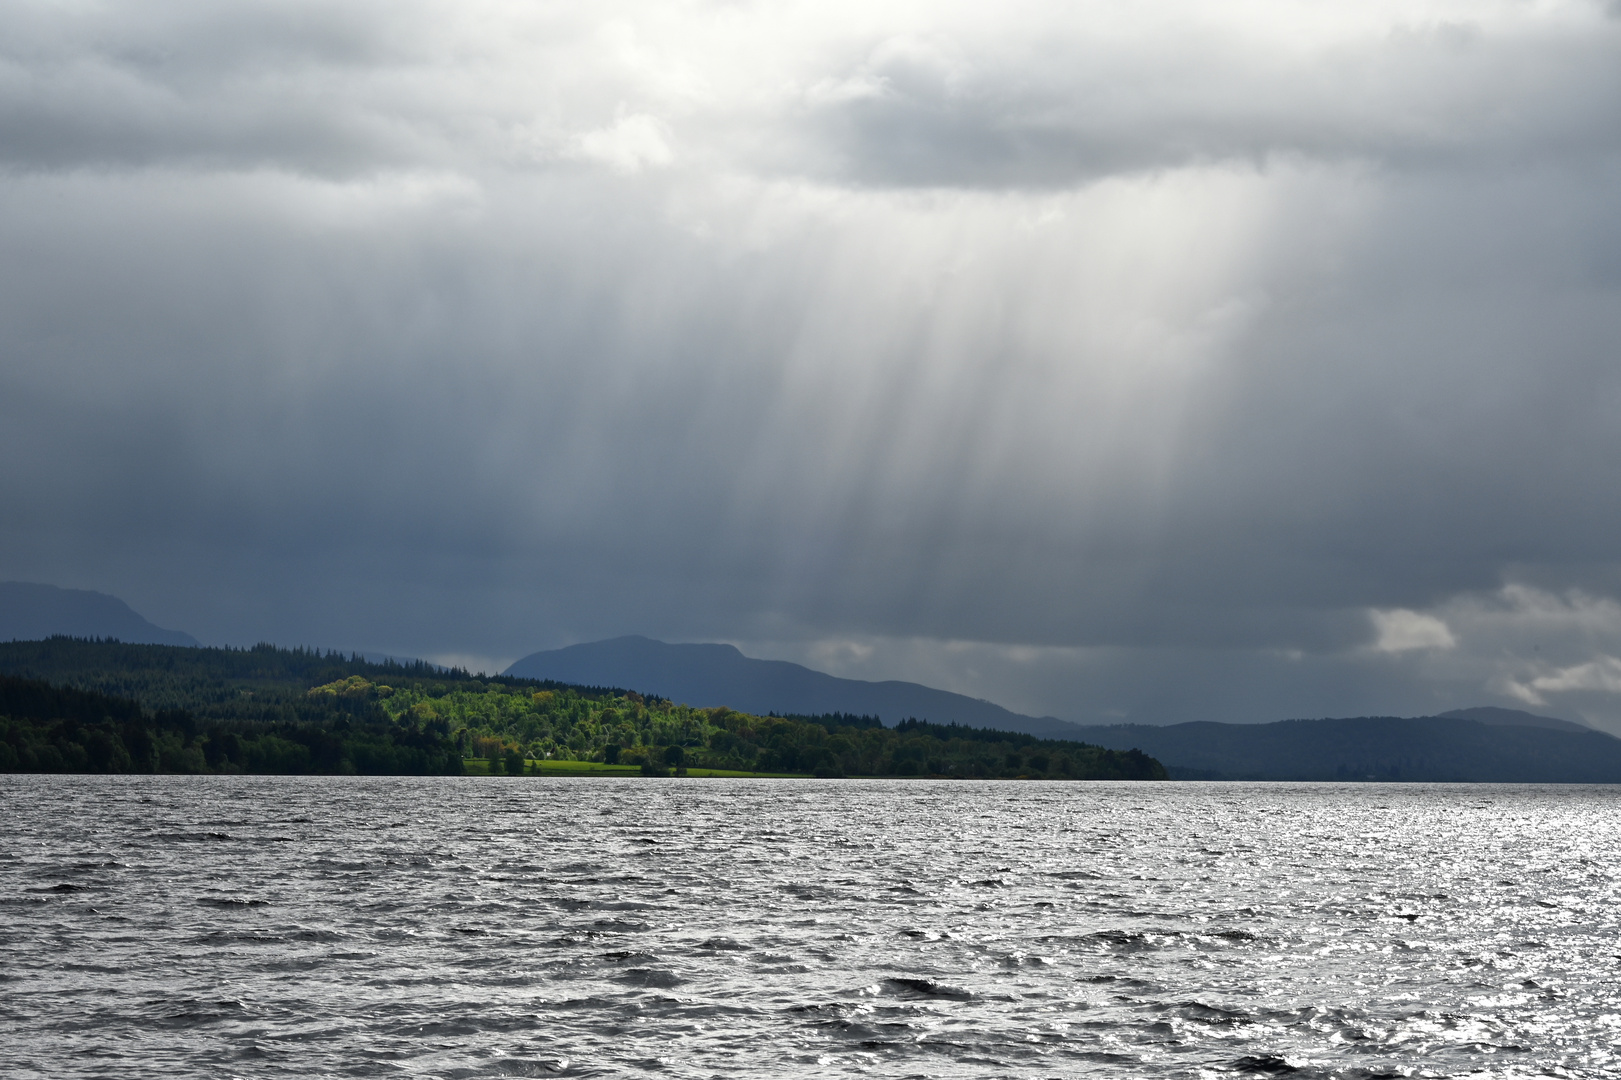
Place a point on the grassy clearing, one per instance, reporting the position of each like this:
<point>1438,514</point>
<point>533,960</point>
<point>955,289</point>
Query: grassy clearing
<point>481,767</point>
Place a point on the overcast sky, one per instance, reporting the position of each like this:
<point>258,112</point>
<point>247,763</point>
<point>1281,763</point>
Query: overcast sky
<point>1148,361</point>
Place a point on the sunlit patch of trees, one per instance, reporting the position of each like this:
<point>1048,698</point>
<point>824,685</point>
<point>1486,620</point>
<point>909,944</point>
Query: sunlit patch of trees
<point>153,708</point>
<point>498,719</point>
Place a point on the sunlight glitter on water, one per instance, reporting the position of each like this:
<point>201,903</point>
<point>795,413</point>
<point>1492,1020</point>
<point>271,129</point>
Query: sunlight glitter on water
<point>283,926</point>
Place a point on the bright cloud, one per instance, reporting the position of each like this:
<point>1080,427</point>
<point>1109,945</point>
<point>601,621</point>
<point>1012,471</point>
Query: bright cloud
<point>1602,676</point>
<point>1400,630</point>
<point>629,145</point>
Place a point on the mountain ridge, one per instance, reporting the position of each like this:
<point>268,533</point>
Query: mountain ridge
<point>1443,748</point>
<point>711,674</point>
<point>30,612</point>
<point>1484,743</point>
<point>274,710</point>
<point>1500,717</point>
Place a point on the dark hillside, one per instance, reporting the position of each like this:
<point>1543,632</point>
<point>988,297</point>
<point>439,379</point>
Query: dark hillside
<point>32,612</point>
<point>45,728</point>
<point>1498,717</point>
<point>353,714</point>
<point>1433,748</point>
<point>708,675</point>
<point>261,683</point>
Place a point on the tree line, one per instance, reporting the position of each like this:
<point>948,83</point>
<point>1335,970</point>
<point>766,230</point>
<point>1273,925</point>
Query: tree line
<point>45,728</point>
<point>97,706</point>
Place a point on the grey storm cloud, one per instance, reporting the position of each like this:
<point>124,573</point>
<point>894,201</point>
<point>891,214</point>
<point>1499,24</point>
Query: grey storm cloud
<point>1435,92</point>
<point>1033,95</point>
<point>1131,360</point>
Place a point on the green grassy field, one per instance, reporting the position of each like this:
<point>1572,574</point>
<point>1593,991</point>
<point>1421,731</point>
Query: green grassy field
<point>481,767</point>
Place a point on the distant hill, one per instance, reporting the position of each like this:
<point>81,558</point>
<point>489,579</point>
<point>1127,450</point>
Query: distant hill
<point>74,705</point>
<point>710,675</point>
<point>71,705</point>
<point>1491,714</point>
<point>30,612</point>
<point>1485,745</point>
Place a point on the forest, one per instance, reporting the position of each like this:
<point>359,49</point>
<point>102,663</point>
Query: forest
<point>74,705</point>
<point>45,728</point>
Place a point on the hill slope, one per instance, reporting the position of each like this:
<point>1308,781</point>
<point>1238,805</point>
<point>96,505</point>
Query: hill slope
<point>712,675</point>
<point>292,710</point>
<point>30,612</point>
<point>1442,748</point>
<point>1491,714</point>
<point>231,717</point>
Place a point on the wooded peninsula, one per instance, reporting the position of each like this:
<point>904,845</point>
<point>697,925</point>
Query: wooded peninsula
<point>75,705</point>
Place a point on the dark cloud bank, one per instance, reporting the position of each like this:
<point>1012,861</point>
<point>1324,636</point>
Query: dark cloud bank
<point>1146,368</point>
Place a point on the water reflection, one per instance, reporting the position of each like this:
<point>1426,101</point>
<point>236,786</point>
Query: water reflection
<point>254,926</point>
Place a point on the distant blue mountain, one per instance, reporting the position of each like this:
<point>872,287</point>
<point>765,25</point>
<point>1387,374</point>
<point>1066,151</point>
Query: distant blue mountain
<point>29,612</point>
<point>1491,714</point>
<point>1484,744</point>
<point>710,675</point>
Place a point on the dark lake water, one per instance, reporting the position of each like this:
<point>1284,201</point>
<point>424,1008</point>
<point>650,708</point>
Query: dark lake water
<point>282,926</point>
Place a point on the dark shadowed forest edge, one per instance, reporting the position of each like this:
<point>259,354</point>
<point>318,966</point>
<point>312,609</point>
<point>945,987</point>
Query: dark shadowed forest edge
<point>78,705</point>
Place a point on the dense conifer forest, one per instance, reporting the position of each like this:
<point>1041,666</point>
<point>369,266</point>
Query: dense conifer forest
<point>72,705</point>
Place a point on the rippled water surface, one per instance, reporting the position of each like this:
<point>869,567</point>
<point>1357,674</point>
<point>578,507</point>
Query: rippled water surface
<point>281,926</point>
